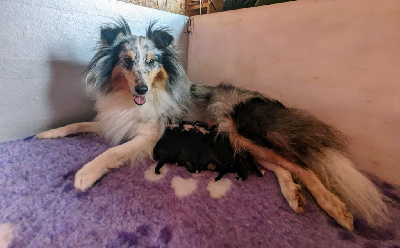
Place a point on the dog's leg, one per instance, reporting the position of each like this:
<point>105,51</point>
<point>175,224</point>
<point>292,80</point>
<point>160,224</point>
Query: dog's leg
<point>220,175</point>
<point>160,164</point>
<point>191,166</point>
<point>290,190</point>
<point>141,145</point>
<point>243,173</point>
<point>81,127</point>
<point>255,169</point>
<point>332,205</point>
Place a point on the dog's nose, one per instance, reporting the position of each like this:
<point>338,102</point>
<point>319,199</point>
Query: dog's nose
<point>141,89</point>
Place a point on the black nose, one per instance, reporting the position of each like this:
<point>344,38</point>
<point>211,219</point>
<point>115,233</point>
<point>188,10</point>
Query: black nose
<point>141,89</point>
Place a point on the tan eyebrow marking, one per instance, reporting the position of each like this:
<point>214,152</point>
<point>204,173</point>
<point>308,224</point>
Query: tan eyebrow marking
<point>149,56</point>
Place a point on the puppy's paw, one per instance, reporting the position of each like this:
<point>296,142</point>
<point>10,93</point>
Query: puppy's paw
<point>52,134</point>
<point>84,179</point>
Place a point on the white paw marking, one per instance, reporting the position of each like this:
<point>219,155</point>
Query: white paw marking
<point>293,196</point>
<point>150,175</point>
<point>218,189</point>
<point>5,235</point>
<point>183,187</point>
<point>85,178</point>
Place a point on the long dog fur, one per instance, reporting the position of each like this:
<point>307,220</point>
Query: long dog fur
<point>140,85</point>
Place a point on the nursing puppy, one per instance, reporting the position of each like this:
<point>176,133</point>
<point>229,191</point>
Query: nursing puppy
<point>198,149</point>
<point>140,86</point>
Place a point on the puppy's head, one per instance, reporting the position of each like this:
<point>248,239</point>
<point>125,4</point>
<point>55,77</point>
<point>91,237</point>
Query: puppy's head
<point>127,62</point>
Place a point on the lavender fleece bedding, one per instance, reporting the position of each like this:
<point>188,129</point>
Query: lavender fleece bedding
<point>131,207</point>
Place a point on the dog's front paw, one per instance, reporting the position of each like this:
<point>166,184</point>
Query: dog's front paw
<point>51,134</point>
<point>85,178</point>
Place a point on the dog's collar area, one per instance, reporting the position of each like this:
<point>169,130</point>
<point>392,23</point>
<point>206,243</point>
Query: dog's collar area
<point>139,100</point>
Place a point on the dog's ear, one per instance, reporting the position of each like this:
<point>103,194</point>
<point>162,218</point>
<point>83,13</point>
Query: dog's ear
<point>109,35</point>
<point>110,32</point>
<point>161,38</point>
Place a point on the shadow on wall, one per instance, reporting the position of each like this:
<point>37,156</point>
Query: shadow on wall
<point>68,100</point>
<point>182,46</point>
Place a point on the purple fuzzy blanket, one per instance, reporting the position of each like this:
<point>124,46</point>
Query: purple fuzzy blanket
<point>132,207</point>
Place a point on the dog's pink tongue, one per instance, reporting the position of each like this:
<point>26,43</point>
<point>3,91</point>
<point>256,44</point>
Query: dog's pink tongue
<point>139,100</point>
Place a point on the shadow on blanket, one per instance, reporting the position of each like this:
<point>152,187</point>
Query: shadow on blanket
<point>135,207</point>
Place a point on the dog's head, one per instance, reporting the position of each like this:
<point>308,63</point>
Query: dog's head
<point>139,64</point>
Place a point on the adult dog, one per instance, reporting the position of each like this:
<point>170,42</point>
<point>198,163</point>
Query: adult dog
<point>140,86</point>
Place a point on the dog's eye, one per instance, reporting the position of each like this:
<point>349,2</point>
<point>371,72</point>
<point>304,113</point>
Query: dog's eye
<point>128,62</point>
<point>151,61</point>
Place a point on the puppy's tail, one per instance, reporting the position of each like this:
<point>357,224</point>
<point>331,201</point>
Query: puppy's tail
<point>341,177</point>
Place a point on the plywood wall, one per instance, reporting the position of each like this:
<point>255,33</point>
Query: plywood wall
<point>173,6</point>
<point>339,59</point>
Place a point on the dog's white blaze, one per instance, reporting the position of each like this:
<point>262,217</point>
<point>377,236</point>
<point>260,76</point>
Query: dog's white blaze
<point>150,175</point>
<point>141,66</point>
<point>5,235</point>
<point>218,189</point>
<point>183,187</point>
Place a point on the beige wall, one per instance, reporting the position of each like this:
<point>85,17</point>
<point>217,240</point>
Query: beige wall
<point>339,59</point>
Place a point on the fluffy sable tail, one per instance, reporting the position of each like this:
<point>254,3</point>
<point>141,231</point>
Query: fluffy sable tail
<point>340,177</point>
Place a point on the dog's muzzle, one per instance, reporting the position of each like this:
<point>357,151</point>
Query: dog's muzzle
<point>140,97</point>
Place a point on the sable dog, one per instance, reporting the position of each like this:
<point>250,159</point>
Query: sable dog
<point>197,149</point>
<point>141,85</point>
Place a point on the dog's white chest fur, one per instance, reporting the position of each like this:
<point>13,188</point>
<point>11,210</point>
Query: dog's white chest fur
<point>121,119</point>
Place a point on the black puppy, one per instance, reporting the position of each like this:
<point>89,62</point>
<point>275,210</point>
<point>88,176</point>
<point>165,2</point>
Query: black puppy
<point>198,148</point>
<point>187,145</point>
